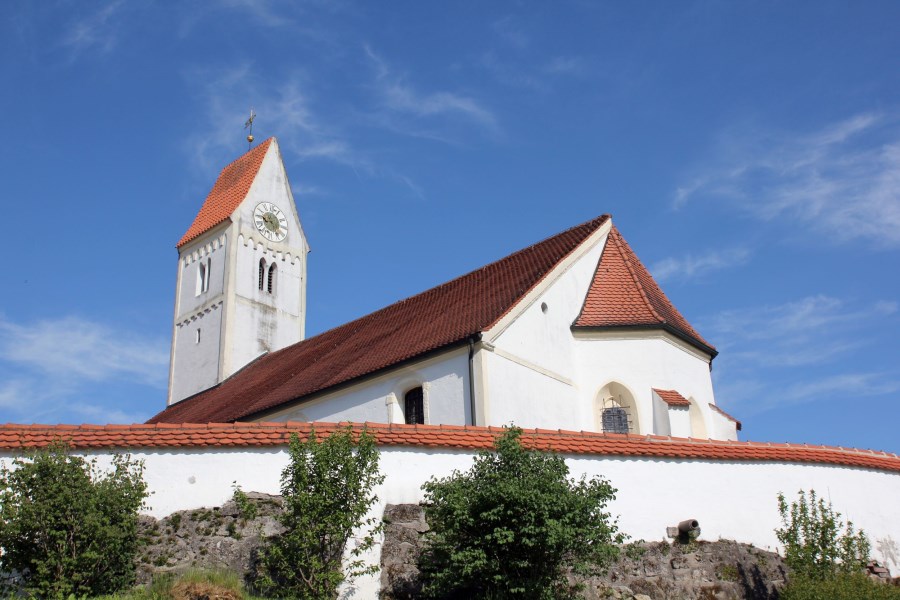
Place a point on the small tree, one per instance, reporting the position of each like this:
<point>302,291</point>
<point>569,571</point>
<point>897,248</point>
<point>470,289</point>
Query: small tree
<point>327,489</point>
<point>817,543</point>
<point>510,526</point>
<point>66,528</point>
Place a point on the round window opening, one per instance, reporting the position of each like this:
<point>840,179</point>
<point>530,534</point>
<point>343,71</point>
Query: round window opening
<point>544,307</point>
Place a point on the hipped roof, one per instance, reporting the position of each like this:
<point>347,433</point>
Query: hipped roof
<point>623,295</point>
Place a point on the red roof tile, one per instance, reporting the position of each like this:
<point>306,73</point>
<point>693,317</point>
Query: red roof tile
<point>438,318</point>
<point>624,295</point>
<point>228,192</point>
<point>725,414</point>
<point>186,435</point>
<point>672,398</point>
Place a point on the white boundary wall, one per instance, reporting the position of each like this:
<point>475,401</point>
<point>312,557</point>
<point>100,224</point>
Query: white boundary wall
<point>731,500</point>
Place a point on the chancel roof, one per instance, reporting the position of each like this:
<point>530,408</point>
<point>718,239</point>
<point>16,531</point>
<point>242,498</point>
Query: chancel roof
<point>623,295</point>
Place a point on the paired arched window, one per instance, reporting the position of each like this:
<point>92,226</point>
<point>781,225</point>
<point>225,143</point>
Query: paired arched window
<point>414,406</point>
<point>266,277</point>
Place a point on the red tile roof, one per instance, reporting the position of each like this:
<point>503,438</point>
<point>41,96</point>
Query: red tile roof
<point>242,435</point>
<point>725,414</point>
<point>438,318</point>
<point>672,398</point>
<point>228,192</point>
<point>624,295</point>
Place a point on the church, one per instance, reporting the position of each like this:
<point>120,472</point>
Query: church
<point>571,333</point>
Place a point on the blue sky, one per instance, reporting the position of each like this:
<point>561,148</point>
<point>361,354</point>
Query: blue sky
<point>749,153</point>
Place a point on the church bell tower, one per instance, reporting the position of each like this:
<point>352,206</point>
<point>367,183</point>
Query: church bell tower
<point>241,286</point>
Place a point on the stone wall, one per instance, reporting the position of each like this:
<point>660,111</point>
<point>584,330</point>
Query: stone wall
<point>218,538</point>
<point>721,570</point>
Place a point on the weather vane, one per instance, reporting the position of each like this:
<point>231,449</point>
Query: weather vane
<point>249,124</point>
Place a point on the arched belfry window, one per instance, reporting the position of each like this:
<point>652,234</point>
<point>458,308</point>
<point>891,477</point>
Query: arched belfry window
<point>262,274</point>
<point>270,285</point>
<point>414,406</point>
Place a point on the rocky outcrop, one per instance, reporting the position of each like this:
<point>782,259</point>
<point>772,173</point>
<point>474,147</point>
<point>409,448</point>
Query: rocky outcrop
<point>207,538</point>
<point>721,570</point>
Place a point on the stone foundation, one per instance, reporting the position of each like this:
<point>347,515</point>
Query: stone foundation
<point>722,570</point>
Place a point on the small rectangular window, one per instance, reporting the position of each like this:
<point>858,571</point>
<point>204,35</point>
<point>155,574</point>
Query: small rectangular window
<point>198,336</point>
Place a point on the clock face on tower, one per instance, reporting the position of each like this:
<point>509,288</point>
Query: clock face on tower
<point>270,221</point>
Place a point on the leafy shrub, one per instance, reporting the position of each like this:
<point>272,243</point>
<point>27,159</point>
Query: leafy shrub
<point>327,491</point>
<point>512,525</point>
<point>66,528</point>
<point>840,586</point>
<point>817,543</point>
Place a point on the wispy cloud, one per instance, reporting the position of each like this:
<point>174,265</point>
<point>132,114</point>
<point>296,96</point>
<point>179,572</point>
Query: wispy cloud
<point>95,31</point>
<point>48,365</point>
<point>842,180</point>
<point>399,96</point>
<point>512,32</point>
<point>695,266</point>
<point>798,351</point>
<point>79,349</point>
<point>286,107</point>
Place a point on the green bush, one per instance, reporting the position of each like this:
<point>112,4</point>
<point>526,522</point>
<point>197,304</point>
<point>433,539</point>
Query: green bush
<point>66,528</point>
<point>840,586</point>
<point>513,524</point>
<point>817,543</point>
<point>327,492</point>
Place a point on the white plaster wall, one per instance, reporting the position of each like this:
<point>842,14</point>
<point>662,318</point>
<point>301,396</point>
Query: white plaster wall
<point>731,500</point>
<point>196,365</point>
<point>544,337</point>
<point>446,390</point>
<point>680,421</point>
<point>189,262</point>
<point>661,424</point>
<point>723,427</point>
<point>520,395</point>
<point>641,364</point>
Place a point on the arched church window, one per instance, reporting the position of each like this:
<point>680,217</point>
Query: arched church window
<point>414,406</point>
<point>262,274</point>
<point>616,410</point>
<point>270,286</point>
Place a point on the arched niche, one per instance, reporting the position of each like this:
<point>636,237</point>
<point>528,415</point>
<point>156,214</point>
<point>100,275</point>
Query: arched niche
<point>698,423</point>
<point>615,410</point>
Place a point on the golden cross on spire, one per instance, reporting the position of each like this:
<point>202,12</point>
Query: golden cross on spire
<point>249,124</point>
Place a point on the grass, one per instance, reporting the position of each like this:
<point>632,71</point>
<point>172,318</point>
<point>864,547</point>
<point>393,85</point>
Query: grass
<point>191,585</point>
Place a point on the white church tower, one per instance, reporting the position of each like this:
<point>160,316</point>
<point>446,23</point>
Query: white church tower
<point>241,287</point>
